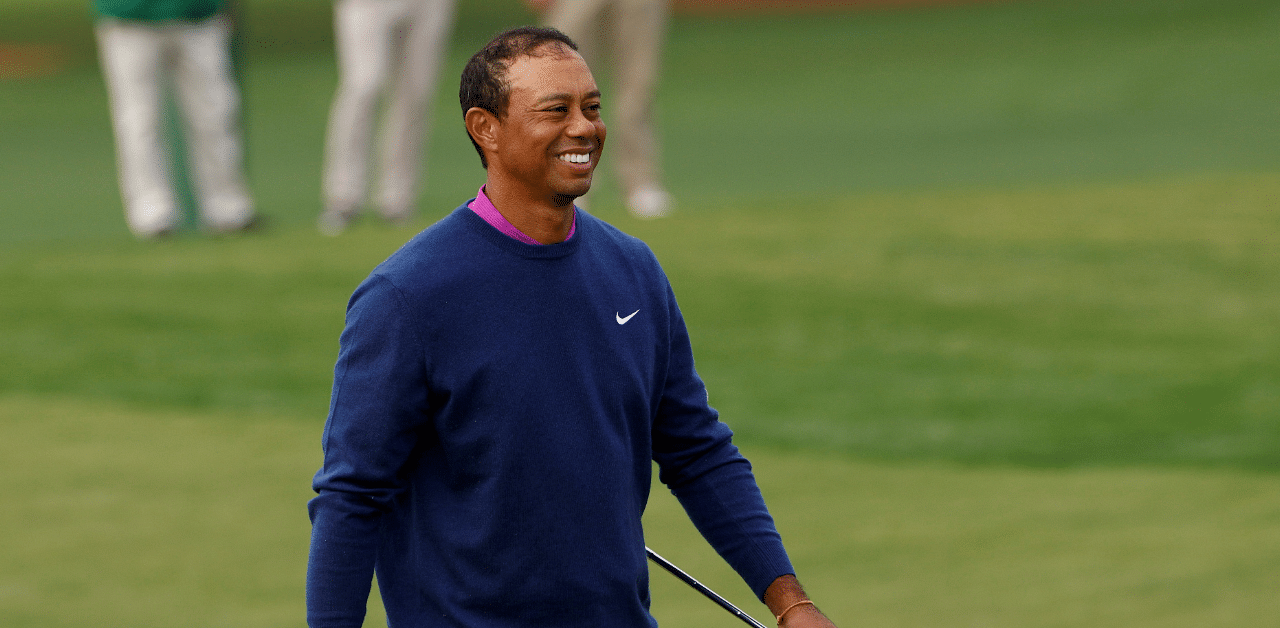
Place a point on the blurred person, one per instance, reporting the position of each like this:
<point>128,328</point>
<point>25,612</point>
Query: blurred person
<point>391,48</point>
<point>632,31</point>
<point>503,383</point>
<point>145,48</point>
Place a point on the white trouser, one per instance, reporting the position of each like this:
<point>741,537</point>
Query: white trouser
<point>632,34</point>
<point>139,60</point>
<point>392,46</point>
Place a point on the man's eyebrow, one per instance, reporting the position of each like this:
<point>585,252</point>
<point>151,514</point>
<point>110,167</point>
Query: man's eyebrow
<point>565,96</point>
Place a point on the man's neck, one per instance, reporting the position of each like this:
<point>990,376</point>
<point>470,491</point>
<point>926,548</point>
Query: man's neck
<point>544,220</point>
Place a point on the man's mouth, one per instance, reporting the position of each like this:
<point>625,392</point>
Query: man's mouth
<point>576,158</point>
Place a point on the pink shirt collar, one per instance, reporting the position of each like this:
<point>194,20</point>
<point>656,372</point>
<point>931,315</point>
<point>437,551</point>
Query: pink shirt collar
<point>484,208</point>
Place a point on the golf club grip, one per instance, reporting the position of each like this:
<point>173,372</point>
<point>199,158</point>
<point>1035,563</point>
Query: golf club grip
<point>701,588</point>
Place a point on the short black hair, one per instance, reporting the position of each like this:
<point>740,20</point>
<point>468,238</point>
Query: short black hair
<point>484,79</point>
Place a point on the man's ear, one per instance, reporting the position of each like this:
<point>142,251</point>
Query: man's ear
<point>483,127</point>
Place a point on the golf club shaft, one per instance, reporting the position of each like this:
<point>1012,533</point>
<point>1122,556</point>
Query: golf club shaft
<point>726,604</point>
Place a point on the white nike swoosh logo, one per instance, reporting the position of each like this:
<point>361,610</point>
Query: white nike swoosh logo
<point>623,320</point>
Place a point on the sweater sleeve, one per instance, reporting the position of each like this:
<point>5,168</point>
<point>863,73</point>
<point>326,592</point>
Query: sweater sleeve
<point>698,461</point>
<point>376,410</point>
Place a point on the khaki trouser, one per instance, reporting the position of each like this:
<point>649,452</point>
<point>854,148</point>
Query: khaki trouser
<point>390,48</point>
<point>139,59</point>
<point>633,31</point>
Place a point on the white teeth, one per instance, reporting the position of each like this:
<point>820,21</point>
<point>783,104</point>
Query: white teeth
<point>576,159</point>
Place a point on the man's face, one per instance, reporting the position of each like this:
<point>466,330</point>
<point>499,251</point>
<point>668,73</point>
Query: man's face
<point>550,140</point>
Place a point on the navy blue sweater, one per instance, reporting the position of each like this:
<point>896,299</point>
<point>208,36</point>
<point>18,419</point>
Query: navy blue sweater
<point>495,409</point>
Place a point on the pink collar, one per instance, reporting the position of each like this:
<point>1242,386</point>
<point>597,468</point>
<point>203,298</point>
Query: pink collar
<point>484,208</point>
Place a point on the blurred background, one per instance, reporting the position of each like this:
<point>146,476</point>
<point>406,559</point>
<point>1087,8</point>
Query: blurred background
<point>989,292</point>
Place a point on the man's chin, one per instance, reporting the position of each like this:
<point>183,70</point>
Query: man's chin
<point>568,193</point>
<point>564,200</point>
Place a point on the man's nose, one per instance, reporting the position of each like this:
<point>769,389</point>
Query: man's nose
<point>580,125</point>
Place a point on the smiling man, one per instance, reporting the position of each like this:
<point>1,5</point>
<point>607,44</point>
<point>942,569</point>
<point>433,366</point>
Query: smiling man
<point>503,383</point>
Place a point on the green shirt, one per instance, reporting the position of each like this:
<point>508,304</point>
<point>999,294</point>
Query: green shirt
<point>155,10</point>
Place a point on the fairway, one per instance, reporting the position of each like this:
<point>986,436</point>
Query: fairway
<point>97,535</point>
<point>989,294</point>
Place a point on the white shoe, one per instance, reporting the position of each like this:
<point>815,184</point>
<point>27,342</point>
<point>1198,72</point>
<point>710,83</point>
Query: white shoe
<point>156,234</point>
<point>148,219</point>
<point>649,201</point>
<point>332,223</point>
<point>228,213</point>
<point>252,223</point>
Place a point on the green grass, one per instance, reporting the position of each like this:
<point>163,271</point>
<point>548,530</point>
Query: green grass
<point>117,516</point>
<point>988,294</point>
<point>1003,95</point>
<point>1091,325</point>
<point>121,517</point>
<point>925,545</point>
<point>1110,324</point>
<point>1015,93</point>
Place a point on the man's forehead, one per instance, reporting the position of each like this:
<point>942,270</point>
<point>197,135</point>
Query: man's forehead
<point>550,71</point>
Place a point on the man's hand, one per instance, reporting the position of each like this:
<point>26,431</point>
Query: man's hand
<point>538,6</point>
<point>787,598</point>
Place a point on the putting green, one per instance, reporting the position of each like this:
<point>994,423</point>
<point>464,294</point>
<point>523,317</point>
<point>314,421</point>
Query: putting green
<point>120,516</point>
